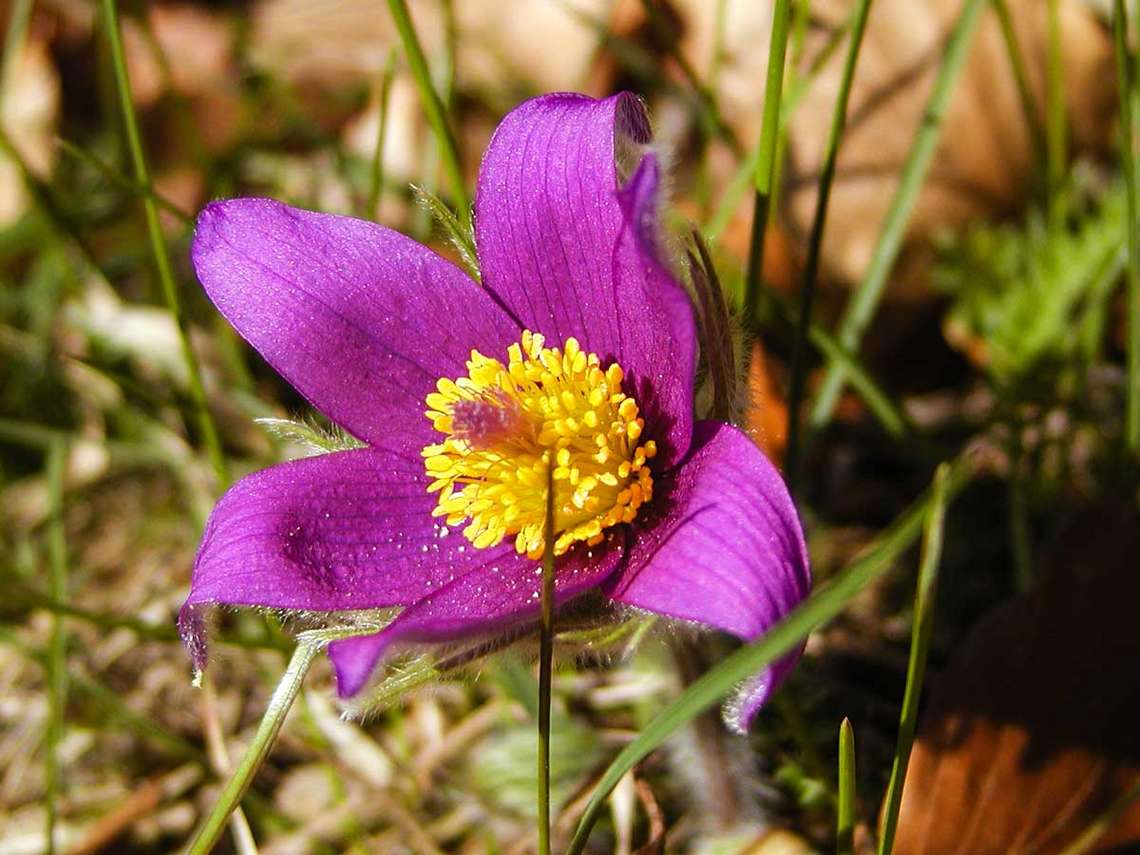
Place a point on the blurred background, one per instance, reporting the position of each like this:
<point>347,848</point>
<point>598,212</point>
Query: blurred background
<point>1001,334</point>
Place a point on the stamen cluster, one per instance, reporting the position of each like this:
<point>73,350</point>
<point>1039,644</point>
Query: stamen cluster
<point>507,426</point>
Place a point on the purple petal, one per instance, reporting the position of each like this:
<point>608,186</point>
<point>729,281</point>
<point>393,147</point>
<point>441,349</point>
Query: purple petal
<point>360,319</point>
<point>350,530</point>
<point>663,354</point>
<point>725,548</point>
<point>569,252</point>
<point>502,591</point>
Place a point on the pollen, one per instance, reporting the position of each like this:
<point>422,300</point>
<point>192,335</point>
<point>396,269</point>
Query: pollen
<point>508,427</point>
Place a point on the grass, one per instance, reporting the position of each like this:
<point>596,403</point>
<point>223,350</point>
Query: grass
<point>127,406</point>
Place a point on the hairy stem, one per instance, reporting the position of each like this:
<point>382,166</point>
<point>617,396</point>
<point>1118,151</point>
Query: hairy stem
<point>283,696</point>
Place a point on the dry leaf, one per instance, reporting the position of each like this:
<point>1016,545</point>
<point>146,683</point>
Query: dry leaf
<point>1032,729</point>
<point>187,48</point>
<point>985,159</point>
<point>503,45</point>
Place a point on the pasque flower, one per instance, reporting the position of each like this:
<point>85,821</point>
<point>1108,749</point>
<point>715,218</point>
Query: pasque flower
<point>571,363</point>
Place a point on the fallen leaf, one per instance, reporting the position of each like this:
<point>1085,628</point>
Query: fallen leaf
<point>985,159</point>
<point>1031,730</point>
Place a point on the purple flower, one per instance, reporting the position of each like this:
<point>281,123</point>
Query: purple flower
<point>576,352</point>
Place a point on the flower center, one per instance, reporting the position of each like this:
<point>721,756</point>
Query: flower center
<point>506,425</point>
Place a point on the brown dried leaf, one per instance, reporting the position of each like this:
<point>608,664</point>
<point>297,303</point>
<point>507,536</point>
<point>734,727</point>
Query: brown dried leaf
<point>1032,729</point>
<point>500,43</point>
<point>984,162</point>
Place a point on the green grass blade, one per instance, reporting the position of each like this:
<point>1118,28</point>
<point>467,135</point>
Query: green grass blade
<point>1101,825</point>
<point>60,220</point>
<point>433,108</point>
<point>882,407</point>
<point>919,645</point>
<point>742,178</point>
<point>22,598</point>
<point>1020,77</point>
<point>766,159</point>
<point>1126,85</point>
<point>283,696</point>
<point>159,250</point>
<point>57,652</point>
<point>820,607</point>
<point>870,291</point>
<point>123,181</point>
<point>845,821</point>
<point>815,240</point>
<point>886,411</point>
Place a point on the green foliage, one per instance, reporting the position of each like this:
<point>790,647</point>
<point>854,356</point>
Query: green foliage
<point>502,769</point>
<point>1019,290</point>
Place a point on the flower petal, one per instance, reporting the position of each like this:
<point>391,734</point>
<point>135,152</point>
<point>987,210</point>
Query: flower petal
<point>360,319</point>
<point>501,592</point>
<point>725,548</point>
<point>349,530</point>
<point>662,355</point>
<point>569,252</point>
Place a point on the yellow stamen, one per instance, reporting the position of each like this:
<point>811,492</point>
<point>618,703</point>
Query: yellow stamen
<point>503,425</point>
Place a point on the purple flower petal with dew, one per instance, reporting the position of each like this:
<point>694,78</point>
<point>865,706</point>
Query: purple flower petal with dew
<point>574,359</point>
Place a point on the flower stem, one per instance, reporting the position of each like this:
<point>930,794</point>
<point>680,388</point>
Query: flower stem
<point>811,267</point>
<point>206,425</point>
<point>283,696</point>
<point>433,107</point>
<point>545,670</point>
<point>766,161</point>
